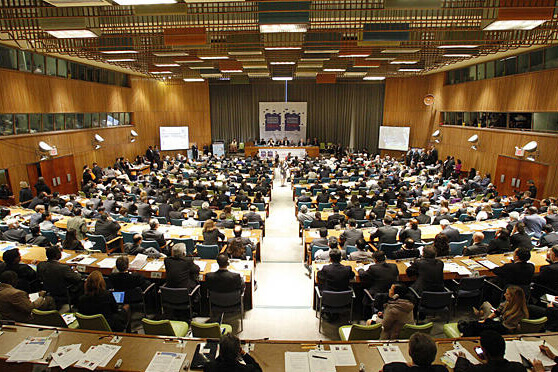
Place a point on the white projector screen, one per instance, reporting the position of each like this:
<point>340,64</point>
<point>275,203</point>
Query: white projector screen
<point>174,138</point>
<point>394,138</point>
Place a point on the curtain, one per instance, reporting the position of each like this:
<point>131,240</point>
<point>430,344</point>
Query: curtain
<point>332,110</point>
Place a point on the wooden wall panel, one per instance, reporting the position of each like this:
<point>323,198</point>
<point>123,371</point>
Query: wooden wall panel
<point>152,103</point>
<point>520,93</point>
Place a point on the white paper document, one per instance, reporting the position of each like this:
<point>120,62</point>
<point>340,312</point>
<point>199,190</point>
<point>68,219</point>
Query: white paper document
<point>82,259</point>
<point>166,362</point>
<point>296,362</point>
<point>107,263</point>
<point>64,256</point>
<point>69,318</point>
<point>488,264</point>
<point>343,355</point>
<point>201,264</point>
<point>97,356</point>
<point>391,353</point>
<point>154,265</point>
<point>530,350</point>
<point>512,353</point>
<point>33,348</point>
<point>214,267</point>
<point>65,356</point>
<point>33,296</point>
<point>138,262</point>
<point>450,357</point>
<point>321,361</point>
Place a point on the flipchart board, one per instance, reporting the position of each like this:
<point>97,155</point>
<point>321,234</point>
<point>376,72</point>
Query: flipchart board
<point>278,120</point>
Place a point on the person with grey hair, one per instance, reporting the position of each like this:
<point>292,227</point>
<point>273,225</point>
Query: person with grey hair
<point>14,232</point>
<point>450,232</point>
<point>205,213</point>
<point>154,234</point>
<point>37,217</point>
<point>514,219</point>
<point>181,270</point>
<point>304,197</point>
<point>303,215</point>
<point>136,248</point>
<point>67,210</point>
<point>109,203</point>
<point>191,220</point>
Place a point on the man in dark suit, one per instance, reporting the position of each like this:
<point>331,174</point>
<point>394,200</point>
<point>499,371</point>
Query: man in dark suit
<point>109,204</point>
<point>549,237</point>
<point>548,275</point>
<point>181,270</point>
<point>335,277</point>
<point>494,349</point>
<point>428,270</point>
<point>153,234</point>
<point>451,233</point>
<point>205,213</point>
<point>422,350</point>
<point>518,272</point>
<point>422,218</point>
<point>478,247</point>
<point>106,226</point>
<point>304,197</point>
<point>14,232</point>
<point>443,215</point>
<point>122,280</point>
<point>385,234</point>
<point>223,280</point>
<point>335,218</point>
<point>356,212</point>
<point>552,217</point>
<point>253,215</point>
<point>351,235</point>
<point>380,276</point>
<point>57,277</point>
<point>411,231</point>
<point>317,222</point>
<point>322,241</point>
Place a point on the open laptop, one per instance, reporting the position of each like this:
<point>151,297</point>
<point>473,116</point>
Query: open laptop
<point>119,297</point>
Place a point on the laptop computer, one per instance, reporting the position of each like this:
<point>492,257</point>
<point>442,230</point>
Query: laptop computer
<point>119,297</point>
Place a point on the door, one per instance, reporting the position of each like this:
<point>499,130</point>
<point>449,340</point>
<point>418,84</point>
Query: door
<point>507,171</point>
<point>537,172</point>
<point>512,175</point>
<point>61,174</point>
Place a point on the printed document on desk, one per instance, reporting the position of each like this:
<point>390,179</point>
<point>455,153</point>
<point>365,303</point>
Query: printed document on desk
<point>343,355</point>
<point>296,362</point>
<point>33,348</point>
<point>321,361</point>
<point>166,362</point>
<point>391,353</point>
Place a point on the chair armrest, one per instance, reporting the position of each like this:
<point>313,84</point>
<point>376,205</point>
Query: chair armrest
<point>414,293</point>
<point>115,239</point>
<point>368,294</point>
<point>455,282</point>
<point>493,285</point>
<point>353,292</point>
<point>149,288</point>
<point>317,290</point>
<point>193,290</point>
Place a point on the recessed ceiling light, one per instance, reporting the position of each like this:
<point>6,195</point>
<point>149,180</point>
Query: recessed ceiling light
<point>250,59</point>
<point>314,59</point>
<point>400,50</point>
<point>335,69</point>
<point>170,54</point>
<point>284,27</point>
<point>160,72</point>
<point>232,70</point>
<point>245,53</point>
<point>319,51</point>
<point>458,55</point>
<point>376,78</point>
<point>189,80</point>
<point>403,62</point>
<point>283,48</point>
<point>71,34</point>
<point>458,46</point>
<point>284,78</point>
<point>410,69</point>
<point>121,60</point>
<point>144,2</point>
<point>514,25</point>
<point>193,60</point>
<point>119,51</point>
<point>213,57</point>
<point>281,63</point>
<point>166,65</point>
<point>354,55</point>
<point>380,58</point>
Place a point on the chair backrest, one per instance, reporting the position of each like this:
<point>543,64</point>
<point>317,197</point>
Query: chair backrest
<point>388,249</point>
<point>456,248</point>
<point>95,322</point>
<point>342,205</point>
<point>533,325</point>
<point>350,249</point>
<point>466,236</point>
<point>331,299</point>
<point>365,332</point>
<point>205,330</point>
<point>260,206</point>
<point>49,318</point>
<point>408,329</point>
<point>254,224</point>
<point>321,206</point>
<point>462,217</point>
<point>162,220</point>
<point>308,204</point>
<point>208,252</point>
<point>360,223</point>
<point>306,224</point>
<point>497,212</point>
<point>189,243</point>
<point>225,299</point>
<point>157,327</point>
<point>50,235</point>
<point>316,248</point>
<point>435,300</point>
<point>150,244</point>
<point>99,242</point>
<point>174,298</point>
<point>176,221</point>
<point>127,237</point>
<point>489,235</point>
<point>471,283</point>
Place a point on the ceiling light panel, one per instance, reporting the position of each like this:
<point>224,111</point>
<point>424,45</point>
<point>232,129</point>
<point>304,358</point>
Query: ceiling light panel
<point>72,34</point>
<point>400,51</point>
<point>144,2</point>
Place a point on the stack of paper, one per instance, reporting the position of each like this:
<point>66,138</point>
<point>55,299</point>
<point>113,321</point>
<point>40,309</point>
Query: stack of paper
<point>107,263</point>
<point>343,355</point>
<point>82,259</point>
<point>391,354</point>
<point>33,348</point>
<point>154,265</point>
<point>138,262</point>
<point>64,256</point>
<point>472,264</point>
<point>166,362</point>
<point>201,264</point>
<point>214,267</point>
<point>488,264</point>
<point>65,356</point>
<point>69,318</point>
<point>97,356</point>
<point>529,350</point>
<point>450,357</point>
<point>321,361</point>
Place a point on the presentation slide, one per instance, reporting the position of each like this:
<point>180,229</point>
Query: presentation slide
<point>218,149</point>
<point>174,138</point>
<point>394,138</point>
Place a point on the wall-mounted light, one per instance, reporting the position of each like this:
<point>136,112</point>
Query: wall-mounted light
<point>437,135</point>
<point>97,140</point>
<point>474,141</point>
<point>133,135</point>
<point>45,151</point>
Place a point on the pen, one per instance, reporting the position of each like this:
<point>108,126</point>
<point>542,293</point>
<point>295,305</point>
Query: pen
<point>319,357</point>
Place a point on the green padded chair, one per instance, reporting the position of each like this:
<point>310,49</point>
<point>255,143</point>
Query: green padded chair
<point>95,322</point>
<point>360,332</point>
<point>533,325</point>
<point>164,327</point>
<point>451,330</point>
<point>408,330</point>
<point>209,330</point>
<point>51,318</point>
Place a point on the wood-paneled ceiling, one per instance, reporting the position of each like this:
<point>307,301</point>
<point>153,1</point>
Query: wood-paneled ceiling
<point>343,39</point>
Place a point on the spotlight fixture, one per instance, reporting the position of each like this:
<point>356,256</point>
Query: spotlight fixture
<point>44,147</point>
<point>133,135</point>
<point>474,140</point>
<point>437,135</point>
<point>98,138</point>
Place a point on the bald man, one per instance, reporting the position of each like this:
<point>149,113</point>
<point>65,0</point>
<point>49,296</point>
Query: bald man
<point>478,247</point>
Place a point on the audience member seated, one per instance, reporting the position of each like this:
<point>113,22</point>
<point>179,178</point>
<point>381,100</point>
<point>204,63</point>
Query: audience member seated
<point>237,232</point>
<point>397,312</point>
<point>356,212</point>
<point>493,348</point>
<point>97,300</point>
<point>407,250</point>
<point>533,222</point>
<point>422,350</point>
<point>549,237</point>
<point>501,242</point>
<point>106,226</point>
<point>57,278</point>
<point>27,277</point>
<point>335,218</point>
<point>78,224</point>
<point>317,222</point>
<point>191,220</point>
<point>450,232</point>
<point>335,276</point>
<point>181,270</point>
<point>211,234</point>
<point>123,280</point>
<point>441,245</point>
<point>304,215</point>
<point>37,217</point>
<point>134,248</point>
<point>362,253</point>
<point>35,238</point>
<point>378,278</point>
<point>253,215</point>
<point>422,218</point>
<point>223,280</point>
<point>14,232</point>
<point>548,274</point>
<point>429,272</point>
<point>15,304</point>
<point>236,249</point>
<point>478,247</point>
<point>552,217</point>
<point>443,215</point>
<point>351,234</point>
<point>304,197</point>
<point>505,319</point>
<point>154,234</point>
<point>385,234</point>
<point>332,243</point>
<point>411,231</point>
<point>322,241</point>
<point>48,223</point>
<point>67,210</point>
<point>519,237</point>
<point>518,272</point>
<point>232,357</point>
<point>205,213</point>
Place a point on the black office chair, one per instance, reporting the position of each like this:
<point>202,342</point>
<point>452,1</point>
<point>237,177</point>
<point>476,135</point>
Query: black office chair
<point>137,296</point>
<point>227,302</point>
<point>177,301</point>
<point>433,303</point>
<point>334,303</point>
<point>470,287</point>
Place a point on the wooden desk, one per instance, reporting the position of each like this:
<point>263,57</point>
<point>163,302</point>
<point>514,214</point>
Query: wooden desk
<point>312,151</point>
<point>269,354</point>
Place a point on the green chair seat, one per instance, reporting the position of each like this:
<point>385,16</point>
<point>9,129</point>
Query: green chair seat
<point>95,322</point>
<point>360,332</point>
<point>209,330</point>
<point>164,327</point>
<point>51,318</point>
<point>451,330</point>
<point>408,329</point>
<point>533,325</point>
